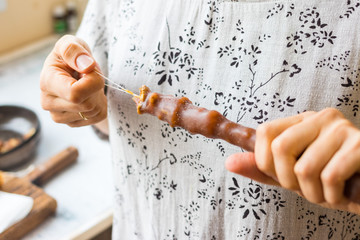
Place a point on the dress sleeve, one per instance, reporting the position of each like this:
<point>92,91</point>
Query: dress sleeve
<point>94,30</point>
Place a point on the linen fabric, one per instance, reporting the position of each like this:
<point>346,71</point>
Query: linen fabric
<point>253,61</point>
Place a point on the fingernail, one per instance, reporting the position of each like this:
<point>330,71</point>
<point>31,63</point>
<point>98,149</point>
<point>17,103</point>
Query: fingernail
<point>83,62</point>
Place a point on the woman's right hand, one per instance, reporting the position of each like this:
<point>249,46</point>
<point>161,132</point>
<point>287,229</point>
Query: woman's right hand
<point>70,89</point>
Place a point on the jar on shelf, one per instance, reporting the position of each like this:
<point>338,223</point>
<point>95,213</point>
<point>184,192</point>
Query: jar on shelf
<point>72,16</point>
<point>59,20</point>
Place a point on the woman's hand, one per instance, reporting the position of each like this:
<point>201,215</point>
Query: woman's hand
<point>312,153</point>
<point>70,89</point>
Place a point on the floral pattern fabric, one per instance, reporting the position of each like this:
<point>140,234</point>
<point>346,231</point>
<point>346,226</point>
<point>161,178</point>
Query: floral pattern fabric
<point>253,61</point>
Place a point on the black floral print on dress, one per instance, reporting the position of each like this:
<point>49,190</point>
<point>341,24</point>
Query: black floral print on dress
<point>128,9</point>
<point>352,7</point>
<point>189,37</point>
<point>147,173</point>
<point>280,7</point>
<point>252,199</point>
<point>344,226</point>
<point>349,80</point>
<point>136,61</point>
<point>312,30</point>
<point>175,135</point>
<point>170,63</point>
<point>213,19</point>
<point>250,101</point>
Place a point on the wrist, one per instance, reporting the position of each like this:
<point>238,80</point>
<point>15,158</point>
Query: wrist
<point>101,129</point>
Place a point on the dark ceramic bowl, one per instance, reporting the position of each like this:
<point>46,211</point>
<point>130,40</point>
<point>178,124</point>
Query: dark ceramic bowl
<point>22,124</point>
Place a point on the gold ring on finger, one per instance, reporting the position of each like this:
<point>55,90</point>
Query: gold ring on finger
<point>82,116</point>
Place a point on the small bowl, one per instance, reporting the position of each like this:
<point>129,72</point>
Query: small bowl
<point>20,129</point>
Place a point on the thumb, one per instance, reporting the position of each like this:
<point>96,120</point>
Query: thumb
<point>75,53</point>
<point>245,165</point>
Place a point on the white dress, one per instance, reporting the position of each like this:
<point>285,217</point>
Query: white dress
<point>253,61</point>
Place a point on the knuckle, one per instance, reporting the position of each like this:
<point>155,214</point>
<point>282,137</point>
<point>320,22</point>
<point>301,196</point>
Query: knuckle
<point>43,80</point>
<point>330,113</point>
<point>84,44</point>
<point>303,171</point>
<point>43,86</point>
<point>88,106</point>
<point>70,51</point>
<point>99,83</point>
<point>64,40</point>
<point>69,37</point>
<point>264,130</point>
<point>68,47</point>
<point>342,124</point>
<point>56,118</point>
<point>44,103</point>
<point>329,178</point>
<point>75,96</point>
<point>340,127</point>
<point>45,107</point>
<point>95,83</point>
<point>280,146</point>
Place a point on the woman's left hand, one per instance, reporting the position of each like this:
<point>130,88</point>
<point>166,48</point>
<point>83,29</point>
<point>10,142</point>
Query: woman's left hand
<point>312,153</point>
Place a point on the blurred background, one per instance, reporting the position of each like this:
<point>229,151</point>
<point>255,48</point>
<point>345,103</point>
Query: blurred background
<point>25,22</point>
<point>83,191</point>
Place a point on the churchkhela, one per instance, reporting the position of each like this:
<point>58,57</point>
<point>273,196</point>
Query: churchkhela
<point>180,112</point>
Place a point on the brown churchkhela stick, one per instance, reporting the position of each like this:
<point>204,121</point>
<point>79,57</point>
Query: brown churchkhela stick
<point>180,112</point>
